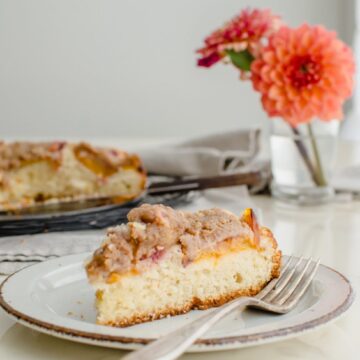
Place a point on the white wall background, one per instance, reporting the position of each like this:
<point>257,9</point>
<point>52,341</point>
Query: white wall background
<point>103,68</point>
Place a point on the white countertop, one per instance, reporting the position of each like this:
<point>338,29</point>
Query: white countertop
<point>331,232</point>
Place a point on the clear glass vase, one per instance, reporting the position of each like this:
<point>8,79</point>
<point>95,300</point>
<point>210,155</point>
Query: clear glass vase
<point>302,161</point>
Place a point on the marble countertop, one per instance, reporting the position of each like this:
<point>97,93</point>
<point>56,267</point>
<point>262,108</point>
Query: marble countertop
<point>331,232</point>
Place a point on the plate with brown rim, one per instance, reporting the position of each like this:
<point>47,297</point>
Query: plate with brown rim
<point>54,297</point>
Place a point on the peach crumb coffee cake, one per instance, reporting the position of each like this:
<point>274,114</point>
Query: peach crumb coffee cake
<point>167,262</point>
<point>50,171</point>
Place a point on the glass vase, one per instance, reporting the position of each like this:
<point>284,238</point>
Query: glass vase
<point>302,161</point>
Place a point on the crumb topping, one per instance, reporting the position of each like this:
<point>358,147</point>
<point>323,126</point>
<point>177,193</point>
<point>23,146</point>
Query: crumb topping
<point>13,155</point>
<point>152,229</point>
<point>16,154</point>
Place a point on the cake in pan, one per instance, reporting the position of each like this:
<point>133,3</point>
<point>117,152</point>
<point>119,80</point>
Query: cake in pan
<point>51,171</point>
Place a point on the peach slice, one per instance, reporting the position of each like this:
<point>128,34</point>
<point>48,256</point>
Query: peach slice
<point>249,217</point>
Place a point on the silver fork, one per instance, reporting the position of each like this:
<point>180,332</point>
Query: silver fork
<point>280,296</point>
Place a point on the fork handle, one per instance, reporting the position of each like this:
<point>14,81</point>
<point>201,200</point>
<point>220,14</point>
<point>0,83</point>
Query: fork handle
<point>172,345</point>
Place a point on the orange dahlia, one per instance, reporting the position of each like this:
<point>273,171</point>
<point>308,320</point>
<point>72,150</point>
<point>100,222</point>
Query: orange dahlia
<point>304,73</point>
<point>244,32</point>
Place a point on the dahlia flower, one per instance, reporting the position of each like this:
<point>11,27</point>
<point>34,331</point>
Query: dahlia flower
<point>244,33</point>
<point>304,73</point>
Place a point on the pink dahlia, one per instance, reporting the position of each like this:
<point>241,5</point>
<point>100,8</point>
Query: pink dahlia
<point>304,73</point>
<point>244,32</point>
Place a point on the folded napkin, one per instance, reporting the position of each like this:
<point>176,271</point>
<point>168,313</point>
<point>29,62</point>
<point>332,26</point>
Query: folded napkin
<point>206,156</point>
<point>17,252</point>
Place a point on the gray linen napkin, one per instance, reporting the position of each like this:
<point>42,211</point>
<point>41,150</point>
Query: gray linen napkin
<point>17,252</point>
<point>205,156</point>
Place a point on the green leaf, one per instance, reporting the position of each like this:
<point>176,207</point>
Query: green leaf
<point>241,60</point>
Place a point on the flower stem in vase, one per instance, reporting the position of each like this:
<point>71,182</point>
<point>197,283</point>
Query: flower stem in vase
<point>318,167</point>
<point>305,156</point>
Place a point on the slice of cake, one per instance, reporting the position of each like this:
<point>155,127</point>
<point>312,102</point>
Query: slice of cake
<point>166,262</point>
<point>39,172</point>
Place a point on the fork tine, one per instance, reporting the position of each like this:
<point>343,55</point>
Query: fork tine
<point>300,290</point>
<point>273,282</point>
<point>292,285</point>
<point>283,281</point>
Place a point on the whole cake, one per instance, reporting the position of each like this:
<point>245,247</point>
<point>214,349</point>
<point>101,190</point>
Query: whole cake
<point>38,172</point>
<point>166,262</point>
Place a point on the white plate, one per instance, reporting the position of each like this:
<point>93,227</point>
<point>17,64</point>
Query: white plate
<point>55,298</point>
